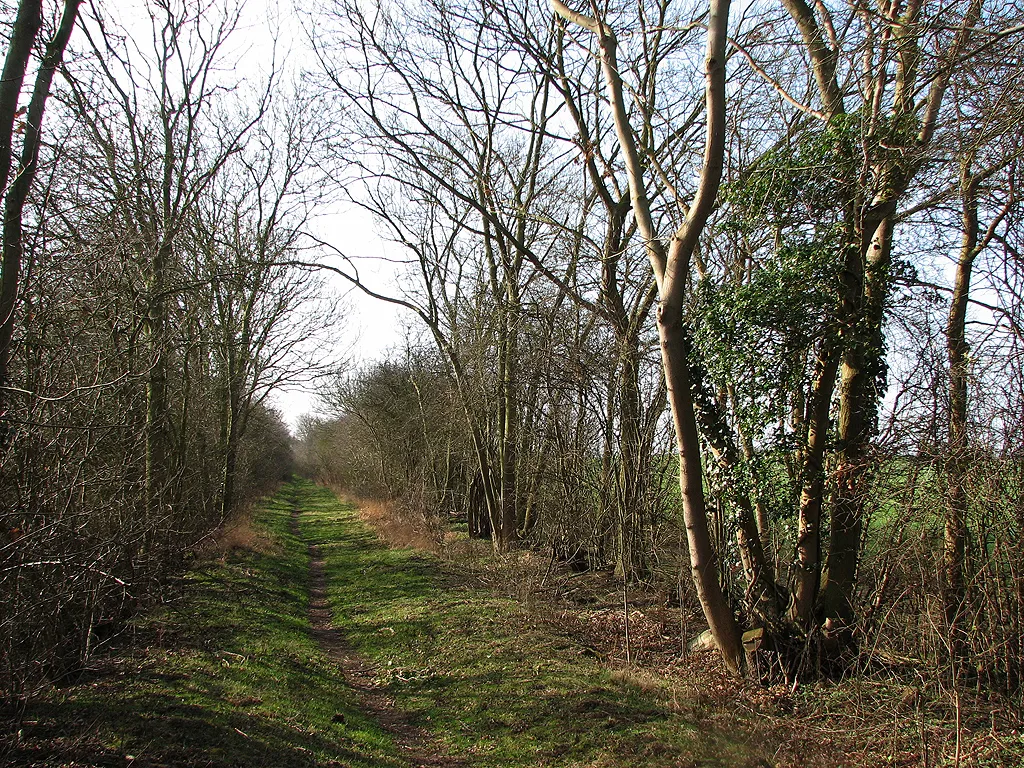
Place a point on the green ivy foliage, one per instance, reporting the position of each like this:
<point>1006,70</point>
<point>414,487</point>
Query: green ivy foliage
<point>801,185</point>
<point>757,327</point>
<point>756,333</point>
<point>757,330</point>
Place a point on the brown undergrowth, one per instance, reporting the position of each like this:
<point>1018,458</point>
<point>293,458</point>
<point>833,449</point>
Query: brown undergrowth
<point>239,533</point>
<point>881,716</point>
<point>396,524</point>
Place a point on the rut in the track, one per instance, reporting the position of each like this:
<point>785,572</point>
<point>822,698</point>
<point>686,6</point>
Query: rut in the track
<point>418,748</point>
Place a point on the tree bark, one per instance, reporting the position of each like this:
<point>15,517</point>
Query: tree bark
<point>954,550</point>
<point>23,37</point>
<point>957,353</point>
<point>862,378</point>
<point>805,576</point>
<point>703,560</point>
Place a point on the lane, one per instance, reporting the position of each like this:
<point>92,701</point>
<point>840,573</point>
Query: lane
<point>416,744</point>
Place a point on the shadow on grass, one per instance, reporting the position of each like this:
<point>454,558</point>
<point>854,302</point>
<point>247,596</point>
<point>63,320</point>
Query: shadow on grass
<point>227,674</point>
<point>154,729</point>
<point>497,684</point>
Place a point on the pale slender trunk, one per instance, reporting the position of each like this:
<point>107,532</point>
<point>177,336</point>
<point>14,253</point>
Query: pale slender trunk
<point>703,559</point>
<point>957,350</point>
<point>671,271</point>
<point>954,550</point>
<point>508,451</point>
<point>805,575</point>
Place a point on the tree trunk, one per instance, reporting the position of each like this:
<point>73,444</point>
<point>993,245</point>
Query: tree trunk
<point>23,34</point>
<point>805,576</point>
<point>703,559</point>
<point>862,383</point>
<point>23,37</point>
<point>957,351</point>
<point>157,414</point>
<point>954,583</point>
<point>671,271</point>
<point>507,440</point>
<point>478,520</point>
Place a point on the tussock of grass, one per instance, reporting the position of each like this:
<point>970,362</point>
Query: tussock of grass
<point>239,534</point>
<point>400,529</point>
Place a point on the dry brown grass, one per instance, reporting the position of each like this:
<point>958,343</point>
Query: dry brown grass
<point>865,720</point>
<point>520,574</point>
<point>397,527</point>
<point>238,534</point>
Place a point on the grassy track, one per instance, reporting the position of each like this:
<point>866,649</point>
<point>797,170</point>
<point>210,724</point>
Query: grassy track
<point>496,685</point>
<point>230,675</point>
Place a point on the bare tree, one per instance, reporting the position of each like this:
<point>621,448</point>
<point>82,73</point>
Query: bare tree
<point>467,145</point>
<point>671,268</point>
<point>23,38</point>
<point>157,128</point>
<point>264,316</point>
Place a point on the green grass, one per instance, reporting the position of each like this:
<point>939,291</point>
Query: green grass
<point>228,675</point>
<point>492,682</point>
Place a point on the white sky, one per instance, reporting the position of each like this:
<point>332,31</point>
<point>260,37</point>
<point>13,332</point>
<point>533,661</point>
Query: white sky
<point>370,327</point>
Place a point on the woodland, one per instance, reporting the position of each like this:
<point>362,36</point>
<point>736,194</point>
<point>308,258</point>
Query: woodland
<point>722,299</point>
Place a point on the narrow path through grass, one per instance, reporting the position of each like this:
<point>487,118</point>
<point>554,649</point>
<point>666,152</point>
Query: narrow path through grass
<point>494,683</point>
<point>404,664</point>
<point>417,745</point>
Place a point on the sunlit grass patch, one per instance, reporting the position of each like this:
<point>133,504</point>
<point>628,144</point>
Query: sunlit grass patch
<point>495,683</point>
<point>226,675</point>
